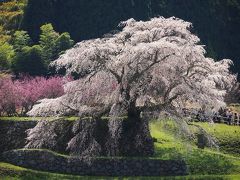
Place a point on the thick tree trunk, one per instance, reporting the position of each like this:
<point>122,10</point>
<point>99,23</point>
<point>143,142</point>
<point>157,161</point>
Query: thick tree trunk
<point>137,140</point>
<point>115,130</point>
<point>129,134</point>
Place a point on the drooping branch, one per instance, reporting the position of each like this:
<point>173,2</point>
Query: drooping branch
<point>152,64</point>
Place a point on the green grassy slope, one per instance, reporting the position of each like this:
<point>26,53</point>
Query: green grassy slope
<point>170,145</point>
<point>228,137</point>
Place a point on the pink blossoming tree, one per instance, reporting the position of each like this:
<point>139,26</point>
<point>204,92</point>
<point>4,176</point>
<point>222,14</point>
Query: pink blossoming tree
<point>9,97</point>
<point>18,97</point>
<point>148,66</point>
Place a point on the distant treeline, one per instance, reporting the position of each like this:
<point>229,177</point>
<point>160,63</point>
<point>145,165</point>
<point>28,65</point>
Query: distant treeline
<point>216,22</point>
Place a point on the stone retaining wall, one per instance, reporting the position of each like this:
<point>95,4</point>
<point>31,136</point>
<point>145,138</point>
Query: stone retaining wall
<point>13,134</point>
<point>49,161</point>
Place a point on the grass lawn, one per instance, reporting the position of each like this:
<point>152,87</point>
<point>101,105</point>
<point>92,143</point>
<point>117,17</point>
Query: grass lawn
<point>202,164</point>
<point>170,145</point>
<point>228,137</point>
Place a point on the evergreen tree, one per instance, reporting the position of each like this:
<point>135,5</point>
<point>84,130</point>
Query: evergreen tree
<point>47,42</point>
<point>53,43</point>
<point>20,40</point>
<point>30,61</point>
<point>35,60</point>
<point>63,43</point>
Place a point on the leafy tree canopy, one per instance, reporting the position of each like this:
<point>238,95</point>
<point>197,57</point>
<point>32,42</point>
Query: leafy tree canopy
<point>20,40</point>
<point>35,60</point>
<point>53,43</point>
<point>30,61</point>
<point>6,55</point>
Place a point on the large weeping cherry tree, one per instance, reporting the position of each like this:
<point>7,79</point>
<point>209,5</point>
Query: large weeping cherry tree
<point>148,66</point>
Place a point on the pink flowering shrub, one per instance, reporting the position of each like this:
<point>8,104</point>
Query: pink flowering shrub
<point>18,97</point>
<point>9,97</point>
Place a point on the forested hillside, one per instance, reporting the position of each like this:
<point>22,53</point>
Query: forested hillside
<point>216,22</point>
<point>18,53</point>
<point>11,13</point>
